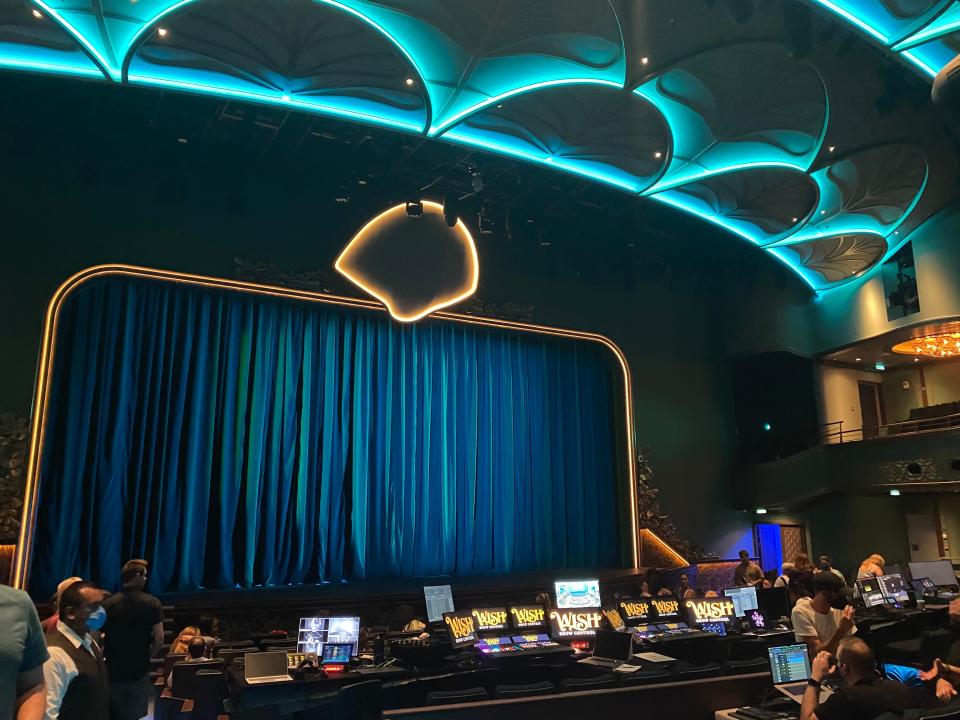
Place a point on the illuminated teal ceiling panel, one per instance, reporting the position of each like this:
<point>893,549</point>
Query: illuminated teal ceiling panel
<point>296,53</point>
<point>601,133</point>
<point>829,262</point>
<point>944,24</point>
<point>871,191</point>
<point>474,54</point>
<point>739,107</point>
<point>31,41</point>
<point>760,205</point>
<point>931,57</point>
<point>886,21</point>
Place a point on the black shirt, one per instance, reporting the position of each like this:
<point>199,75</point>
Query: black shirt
<point>867,699</point>
<point>128,634</point>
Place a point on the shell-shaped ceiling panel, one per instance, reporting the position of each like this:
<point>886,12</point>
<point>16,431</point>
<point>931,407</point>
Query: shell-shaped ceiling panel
<point>871,191</point>
<point>29,43</point>
<point>739,106</point>
<point>296,52</point>
<point>474,53</point>
<point>759,204</point>
<point>611,136</point>
<point>931,56</point>
<point>831,261</point>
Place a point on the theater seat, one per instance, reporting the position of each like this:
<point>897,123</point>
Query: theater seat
<point>647,677</point>
<point>209,692</point>
<point>229,656</point>
<point>594,683</point>
<point>172,659</point>
<point>518,691</point>
<point>360,701</point>
<point>703,671</point>
<point>742,667</point>
<point>184,673</point>
<point>920,651</point>
<point>454,697</point>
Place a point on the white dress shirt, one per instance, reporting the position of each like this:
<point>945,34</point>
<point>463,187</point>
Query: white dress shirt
<point>60,670</point>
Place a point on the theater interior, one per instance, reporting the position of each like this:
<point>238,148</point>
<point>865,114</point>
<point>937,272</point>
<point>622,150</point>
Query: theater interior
<point>426,346</point>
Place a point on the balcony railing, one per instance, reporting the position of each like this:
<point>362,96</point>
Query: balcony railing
<point>833,433</point>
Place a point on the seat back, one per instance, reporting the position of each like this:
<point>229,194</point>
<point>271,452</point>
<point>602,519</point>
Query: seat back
<point>703,671</point>
<point>452,697</point>
<point>741,667</point>
<point>229,656</point>
<point>590,683</point>
<point>360,701</point>
<point>184,673</point>
<point>209,692</point>
<point>518,691</point>
<point>170,660</point>
<point>647,677</point>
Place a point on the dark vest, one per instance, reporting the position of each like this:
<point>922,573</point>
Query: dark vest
<point>88,695</point>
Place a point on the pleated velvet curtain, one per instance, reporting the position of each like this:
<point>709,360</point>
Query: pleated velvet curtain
<point>238,440</point>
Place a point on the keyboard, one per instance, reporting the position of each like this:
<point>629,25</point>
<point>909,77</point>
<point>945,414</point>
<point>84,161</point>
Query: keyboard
<point>601,662</point>
<point>269,679</point>
<point>752,713</point>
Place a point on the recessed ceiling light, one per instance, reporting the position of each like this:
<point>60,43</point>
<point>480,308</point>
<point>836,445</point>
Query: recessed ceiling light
<point>37,14</point>
<point>916,359</point>
<point>832,148</point>
<point>409,81</point>
<point>361,182</point>
<point>182,141</point>
<point>857,359</point>
<point>896,232</point>
<point>645,60</point>
<point>162,32</point>
<point>793,219</point>
<point>658,154</point>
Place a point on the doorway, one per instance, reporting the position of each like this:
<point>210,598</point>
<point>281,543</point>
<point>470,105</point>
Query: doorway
<point>871,408</point>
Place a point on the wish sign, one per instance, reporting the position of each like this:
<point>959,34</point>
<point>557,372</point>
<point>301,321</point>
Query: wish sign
<point>490,618</point>
<point>710,610</point>
<point>666,607</point>
<point>461,627</point>
<point>637,611</point>
<point>528,616</point>
<point>575,623</point>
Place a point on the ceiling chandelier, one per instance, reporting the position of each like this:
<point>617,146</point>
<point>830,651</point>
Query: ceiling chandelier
<point>944,345</point>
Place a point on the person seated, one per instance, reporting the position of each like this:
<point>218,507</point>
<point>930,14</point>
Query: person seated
<point>802,573</point>
<point>682,586</point>
<point>665,592</point>
<point>747,572</point>
<point>863,694</point>
<point>871,567</point>
<point>181,643</point>
<point>946,678</point>
<point>209,628</point>
<point>818,622</point>
<point>544,599</point>
<point>645,589</point>
<point>784,579</point>
<point>196,653</point>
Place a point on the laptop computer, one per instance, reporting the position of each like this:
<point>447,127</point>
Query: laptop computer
<point>790,667</point>
<point>266,667</point>
<point>610,649</point>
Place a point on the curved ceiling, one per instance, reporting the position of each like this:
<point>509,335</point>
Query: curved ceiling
<point>733,135</point>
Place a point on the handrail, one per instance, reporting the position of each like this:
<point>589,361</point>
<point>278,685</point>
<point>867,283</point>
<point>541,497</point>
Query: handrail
<point>903,427</point>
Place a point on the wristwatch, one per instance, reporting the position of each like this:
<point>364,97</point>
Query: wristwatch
<point>813,683</point>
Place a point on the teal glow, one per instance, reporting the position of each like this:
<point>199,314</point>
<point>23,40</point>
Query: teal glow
<point>276,98</point>
<point>682,203</point>
<point>36,59</point>
<point>947,22</point>
<point>80,37</point>
<point>136,38</point>
<point>811,278</point>
<point>854,20</point>
<point>930,57</point>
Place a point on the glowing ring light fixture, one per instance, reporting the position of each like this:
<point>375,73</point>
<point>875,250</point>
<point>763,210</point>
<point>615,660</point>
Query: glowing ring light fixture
<point>415,264</point>
<point>943,345</point>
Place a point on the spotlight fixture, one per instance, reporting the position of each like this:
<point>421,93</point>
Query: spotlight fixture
<point>162,32</point>
<point>414,208</point>
<point>831,148</point>
<point>37,14</point>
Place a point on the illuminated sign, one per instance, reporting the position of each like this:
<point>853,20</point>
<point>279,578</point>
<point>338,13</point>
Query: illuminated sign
<point>527,616</point>
<point>575,623</point>
<point>490,618</point>
<point>461,627</point>
<point>613,617</point>
<point>710,610</point>
<point>634,610</point>
<point>666,607</point>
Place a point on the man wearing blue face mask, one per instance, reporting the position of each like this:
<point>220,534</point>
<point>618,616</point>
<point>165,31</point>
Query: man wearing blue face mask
<point>75,674</point>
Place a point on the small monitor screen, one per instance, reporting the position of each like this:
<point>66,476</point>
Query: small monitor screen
<point>666,607</point>
<point>719,628</point>
<point>315,632</point>
<point>773,602</point>
<point>744,598</point>
<point>789,663</point>
<point>939,571</point>
<point>614,618</point>
<point>487,619</point>
<point>574,624</point>
<point>645,632</point>
<point>673,627</point>
<point>637,611</point>
<point>613,645</point>
<point>756,620</point>
<point>462,629</point>
<point>871,592</point>
<point>528,616</point>
<point>577,594</point>
<point>704,610</point>
<point>336,654</point>
<point>893,589</point>
<point>439,601</point>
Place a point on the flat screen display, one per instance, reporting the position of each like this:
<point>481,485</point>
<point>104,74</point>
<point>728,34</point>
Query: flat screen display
<point>614,618</point>
<point>577,594</point>
<point>574,623</point>
<point>744,598</point>
<point>644,632</point>
<point>487,619</point>
<point>893,589</point>
<point>939,571</point>
<point>315,632</point>
<point>336,654</point>
<point>461,628</point>
<point>773,602</point>
<point>789,663</point>
<point>707,610</point>
<point>439,600</point>
<point>871,592</point>
<point>666,607</point>
<point>637,611</point>
<point>756,620</point>
<point>528,616</point>
<point>717,628</point>
<point>612,645</point>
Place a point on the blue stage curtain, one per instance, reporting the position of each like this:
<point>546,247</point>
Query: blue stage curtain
<point>771,546</point>
<point>237,440</point>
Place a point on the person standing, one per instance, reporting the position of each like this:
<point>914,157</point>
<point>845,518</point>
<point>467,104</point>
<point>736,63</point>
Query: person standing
<point>75,674</point>
<point>747,572</point>
<point>22,654</point>
<point>133,634</point>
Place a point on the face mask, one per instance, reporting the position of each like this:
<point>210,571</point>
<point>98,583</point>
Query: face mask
<point>97,619</point>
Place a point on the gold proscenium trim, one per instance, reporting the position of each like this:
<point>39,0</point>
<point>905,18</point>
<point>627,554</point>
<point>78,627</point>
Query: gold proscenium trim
<point>38,419</point>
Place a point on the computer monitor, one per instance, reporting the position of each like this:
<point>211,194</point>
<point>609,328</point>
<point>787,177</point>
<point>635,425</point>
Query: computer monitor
<point>717,628</point>
<point>461,628</point>
<point>491,618</point>
<point>893,589</point>
<point>316,632</point>
<point>923,586</point>
<point>574,624</point>
<point>577,594</point>
<point>756,620</point>
<point>637,612</point>
<point>789,663</point>
<point>336,654</point>
<point>439,600</point>
<point>939,571</point>
<point>666,607</point>
<point>744,598</point>
<point>871,592</point>
<point>773,602</point>
<point>614,618</point>
<point>528,616</point>
<point>612,645</point>
<point>709,610</point>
